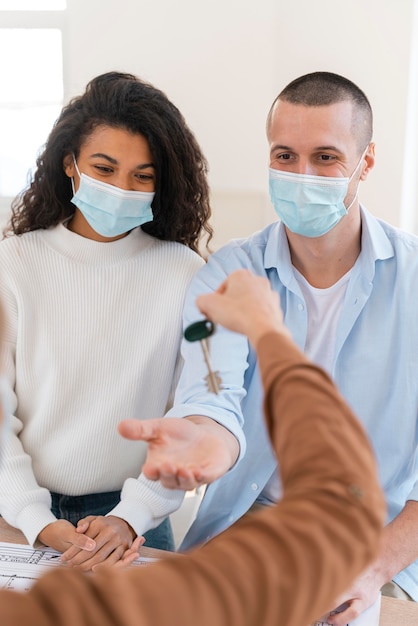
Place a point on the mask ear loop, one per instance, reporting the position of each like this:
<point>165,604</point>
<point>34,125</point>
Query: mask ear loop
<point>72,177</point>
<point>352,175</point>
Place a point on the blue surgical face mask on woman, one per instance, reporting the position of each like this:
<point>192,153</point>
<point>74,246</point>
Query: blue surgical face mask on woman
<point>109,210</point>
<point>309,205</point>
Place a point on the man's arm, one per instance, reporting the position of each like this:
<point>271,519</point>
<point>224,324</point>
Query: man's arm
<point>184,453</point>
<point>399,549</point>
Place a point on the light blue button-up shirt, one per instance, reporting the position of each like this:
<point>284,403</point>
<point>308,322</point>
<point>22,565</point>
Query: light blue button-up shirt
<point>375,367</point>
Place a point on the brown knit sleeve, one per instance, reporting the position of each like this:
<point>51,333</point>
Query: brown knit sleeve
<point>283,566</point>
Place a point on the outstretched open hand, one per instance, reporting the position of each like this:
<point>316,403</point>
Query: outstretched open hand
<point>183,453</point>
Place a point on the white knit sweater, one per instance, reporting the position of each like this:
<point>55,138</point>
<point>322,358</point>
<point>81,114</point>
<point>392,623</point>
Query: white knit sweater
<point>92,337</point>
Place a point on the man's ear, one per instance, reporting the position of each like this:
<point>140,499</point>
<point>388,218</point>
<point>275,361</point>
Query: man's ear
<point>369,158</point>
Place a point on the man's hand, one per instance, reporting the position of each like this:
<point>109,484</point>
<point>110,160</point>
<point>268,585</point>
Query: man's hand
<point>112,538</point>
<point>183,453</point>
<point>399,549</point>
<point>362,594</point>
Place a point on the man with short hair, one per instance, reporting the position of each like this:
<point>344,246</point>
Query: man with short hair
<point>348,285</point>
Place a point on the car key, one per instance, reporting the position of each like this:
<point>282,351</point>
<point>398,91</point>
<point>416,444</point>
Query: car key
<point>201,331</point>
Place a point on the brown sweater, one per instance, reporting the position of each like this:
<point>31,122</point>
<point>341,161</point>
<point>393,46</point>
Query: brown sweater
<point>283,566</point>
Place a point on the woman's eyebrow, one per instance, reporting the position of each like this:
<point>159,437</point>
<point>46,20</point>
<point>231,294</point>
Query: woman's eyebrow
<point>113,161</point>
<point>101,155</point>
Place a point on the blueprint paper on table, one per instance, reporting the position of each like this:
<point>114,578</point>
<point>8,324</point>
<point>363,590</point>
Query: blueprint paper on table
<point>21,565</point>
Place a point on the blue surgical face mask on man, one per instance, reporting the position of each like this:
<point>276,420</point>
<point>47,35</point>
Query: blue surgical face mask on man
<point>309,205</point>
<point>109,210</point>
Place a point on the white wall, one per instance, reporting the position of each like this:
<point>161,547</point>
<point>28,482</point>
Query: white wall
<point>223,62</point>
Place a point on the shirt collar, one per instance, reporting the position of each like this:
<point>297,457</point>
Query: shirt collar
<point>375,246</point>
<point>277,253</point>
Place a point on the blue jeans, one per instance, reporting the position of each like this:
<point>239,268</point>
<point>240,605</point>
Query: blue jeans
<point>74,508</point>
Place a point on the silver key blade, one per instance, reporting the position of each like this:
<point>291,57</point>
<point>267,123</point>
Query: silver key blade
<point>212,379</point>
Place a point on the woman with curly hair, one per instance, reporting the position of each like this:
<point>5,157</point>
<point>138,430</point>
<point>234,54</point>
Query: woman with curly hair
<point>99,252</point>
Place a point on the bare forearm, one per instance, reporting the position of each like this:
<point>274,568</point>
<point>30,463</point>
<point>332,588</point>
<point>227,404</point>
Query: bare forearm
<point>400,542</point>
<point>399,548</point>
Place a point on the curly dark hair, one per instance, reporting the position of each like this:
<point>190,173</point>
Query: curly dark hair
<point>181,206</point>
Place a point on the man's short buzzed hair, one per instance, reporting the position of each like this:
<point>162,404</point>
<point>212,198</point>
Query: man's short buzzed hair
<point>324,88</point>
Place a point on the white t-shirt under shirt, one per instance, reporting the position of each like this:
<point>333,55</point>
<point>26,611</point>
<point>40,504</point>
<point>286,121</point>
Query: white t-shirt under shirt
<point>323,309</point>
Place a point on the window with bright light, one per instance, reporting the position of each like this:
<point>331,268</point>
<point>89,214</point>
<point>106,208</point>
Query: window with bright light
<point>32,91</point>
<point>30,102</point>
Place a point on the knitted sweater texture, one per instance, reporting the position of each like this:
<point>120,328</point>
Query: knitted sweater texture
<point>92,337</point>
